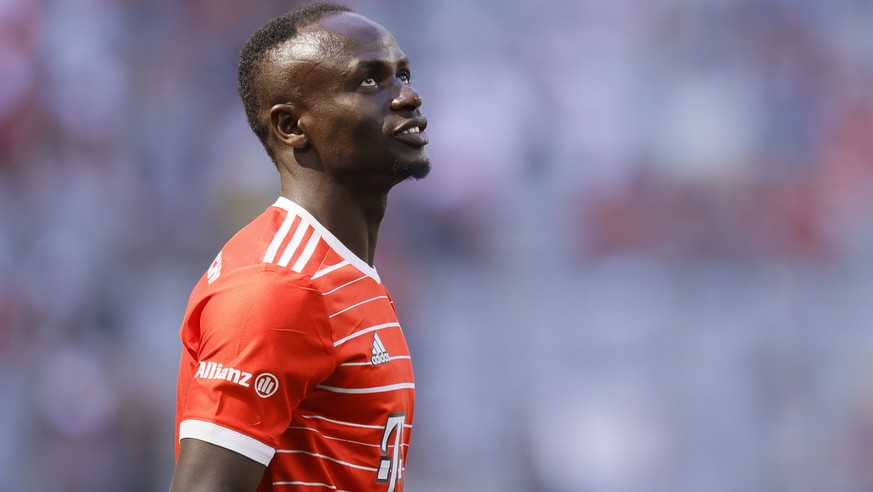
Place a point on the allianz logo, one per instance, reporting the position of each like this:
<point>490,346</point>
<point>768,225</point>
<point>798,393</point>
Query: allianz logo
<point>212,370</point>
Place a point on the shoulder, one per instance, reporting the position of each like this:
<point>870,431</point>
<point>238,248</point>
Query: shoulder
<point>265,297</point>
<point>270,280</point>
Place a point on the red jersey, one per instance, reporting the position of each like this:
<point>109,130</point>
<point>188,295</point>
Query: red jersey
<point>293,356</point>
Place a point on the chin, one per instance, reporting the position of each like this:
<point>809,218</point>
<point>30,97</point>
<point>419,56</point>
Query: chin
<point>409,170</point>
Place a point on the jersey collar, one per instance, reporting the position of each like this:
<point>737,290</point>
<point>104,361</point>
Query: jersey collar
<point>329,238</point>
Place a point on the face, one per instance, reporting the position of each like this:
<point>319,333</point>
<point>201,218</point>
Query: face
<point>358,110</point>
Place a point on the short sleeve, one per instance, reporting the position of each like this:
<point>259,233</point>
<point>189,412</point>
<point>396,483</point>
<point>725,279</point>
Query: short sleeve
<point>261,343</point>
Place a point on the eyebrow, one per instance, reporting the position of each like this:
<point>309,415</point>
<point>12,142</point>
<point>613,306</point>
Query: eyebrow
<point>380,63</point>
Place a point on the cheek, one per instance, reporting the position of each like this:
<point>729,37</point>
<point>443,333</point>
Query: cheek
<point>366,120</point>
<point>354,141</point>
<point>363,132</point>
<point>367,133</point>
<point>350,130</point>
<point>355,134</point>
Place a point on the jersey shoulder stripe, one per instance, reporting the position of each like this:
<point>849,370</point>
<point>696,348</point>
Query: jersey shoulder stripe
<point>279,237</point>
<point>329,269</point>
<point>298,236</point>
<point>294,240</point>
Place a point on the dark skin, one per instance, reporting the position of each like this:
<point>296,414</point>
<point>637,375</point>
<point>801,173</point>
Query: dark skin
<point>344,134</point>
<point>207,467</point>
<point>333,145</point>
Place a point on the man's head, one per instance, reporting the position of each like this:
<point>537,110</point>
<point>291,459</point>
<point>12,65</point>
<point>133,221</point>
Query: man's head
<point>328,89</point>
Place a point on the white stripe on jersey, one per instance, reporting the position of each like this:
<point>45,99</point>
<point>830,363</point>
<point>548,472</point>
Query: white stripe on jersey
<point>364,332</point>
<point>326,270</point>
<point>333,438</point>
<point>350,424</point>
<point>307,252</point>
<point>310,484</point>
<point>370,363</point>
<point>362,391</point>
<point>294,244</point>
<point>342,440</point>
<point>343,285</point>
<point>352,465</point>
<point>390,445</point>
<point>340,422</point>
<point>356,305</point>
<point>279,237</point>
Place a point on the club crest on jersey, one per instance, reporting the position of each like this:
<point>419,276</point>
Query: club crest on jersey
<point>266,385</point>
<point>380,354</point>
<point>212,370</point>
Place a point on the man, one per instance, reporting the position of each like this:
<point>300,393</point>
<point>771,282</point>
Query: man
<point>295,374</point>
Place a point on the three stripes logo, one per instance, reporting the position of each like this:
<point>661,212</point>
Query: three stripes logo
<point>380,355</point>
<point>266,385</point>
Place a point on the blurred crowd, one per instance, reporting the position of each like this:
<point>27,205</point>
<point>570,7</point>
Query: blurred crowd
<point>643,260</point>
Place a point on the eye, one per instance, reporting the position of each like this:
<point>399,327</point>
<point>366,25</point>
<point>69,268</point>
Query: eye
<point>368,81</point>
<point>404,77</point>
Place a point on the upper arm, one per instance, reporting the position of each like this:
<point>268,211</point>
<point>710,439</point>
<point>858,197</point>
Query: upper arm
<point>206,467</point>
<point>260,330</point>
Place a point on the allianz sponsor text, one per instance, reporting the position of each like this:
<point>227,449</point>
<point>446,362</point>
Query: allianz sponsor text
<point>212,370</point>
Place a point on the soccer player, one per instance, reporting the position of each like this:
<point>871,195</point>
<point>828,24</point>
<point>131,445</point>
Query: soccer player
<point>295,375</point>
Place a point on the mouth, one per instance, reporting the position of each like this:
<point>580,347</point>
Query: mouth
<point>412,132</point>
<point>409,131</point>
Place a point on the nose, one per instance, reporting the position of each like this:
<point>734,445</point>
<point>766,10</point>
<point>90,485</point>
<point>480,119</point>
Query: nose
<point>407,98</point>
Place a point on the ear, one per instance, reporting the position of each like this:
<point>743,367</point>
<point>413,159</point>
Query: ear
<point>285,126</point>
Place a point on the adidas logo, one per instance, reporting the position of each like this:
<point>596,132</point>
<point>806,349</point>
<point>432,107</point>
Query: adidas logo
<point>380,355</point>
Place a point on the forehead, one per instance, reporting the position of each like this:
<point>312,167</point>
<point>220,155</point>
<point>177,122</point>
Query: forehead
<point>341,41</point>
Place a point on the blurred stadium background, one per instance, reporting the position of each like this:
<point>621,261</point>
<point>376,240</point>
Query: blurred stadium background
<point>643,261</point>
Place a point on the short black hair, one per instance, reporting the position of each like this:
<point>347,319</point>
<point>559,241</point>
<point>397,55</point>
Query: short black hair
<point>272,34</point>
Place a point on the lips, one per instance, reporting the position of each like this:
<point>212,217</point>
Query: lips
<point>412,132</point>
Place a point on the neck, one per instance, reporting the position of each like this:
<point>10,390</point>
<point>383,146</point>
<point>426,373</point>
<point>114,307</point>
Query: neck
<point>352,216</point>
